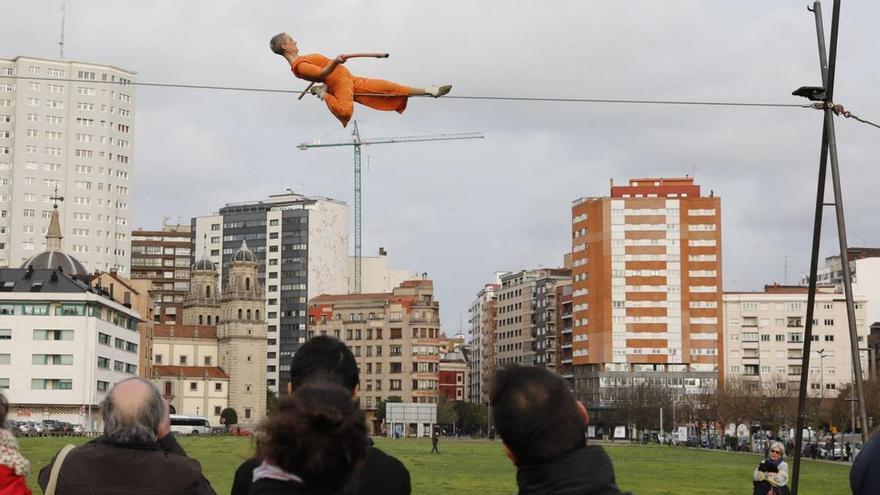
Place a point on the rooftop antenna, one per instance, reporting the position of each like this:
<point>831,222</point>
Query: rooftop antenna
<point>63,19</point>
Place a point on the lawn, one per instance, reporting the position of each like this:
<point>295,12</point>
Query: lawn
<point>481,467</point>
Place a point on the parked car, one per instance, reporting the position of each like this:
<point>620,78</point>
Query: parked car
<point>78,429</point>
<point>35,428</point>
<point>238,431</point>
<point>50,425</point>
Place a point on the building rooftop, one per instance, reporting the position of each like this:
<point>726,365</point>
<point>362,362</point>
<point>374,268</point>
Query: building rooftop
<point>40,280</point>
<point>214,372</point>
<point>208,332</point>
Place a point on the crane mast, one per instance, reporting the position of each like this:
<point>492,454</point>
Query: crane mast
<point>356,143</point>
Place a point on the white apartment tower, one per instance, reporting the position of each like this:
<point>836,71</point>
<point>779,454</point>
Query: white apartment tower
<point>66,126</point>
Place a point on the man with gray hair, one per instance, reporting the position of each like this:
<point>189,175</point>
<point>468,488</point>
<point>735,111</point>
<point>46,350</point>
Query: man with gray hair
<point>136,453</point>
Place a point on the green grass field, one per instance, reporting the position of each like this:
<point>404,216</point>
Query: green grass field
<point>465,467</point>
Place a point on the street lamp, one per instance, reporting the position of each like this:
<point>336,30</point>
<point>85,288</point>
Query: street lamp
<point>822,354</point>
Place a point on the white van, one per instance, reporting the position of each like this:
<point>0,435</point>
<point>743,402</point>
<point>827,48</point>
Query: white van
<point>189,425</point>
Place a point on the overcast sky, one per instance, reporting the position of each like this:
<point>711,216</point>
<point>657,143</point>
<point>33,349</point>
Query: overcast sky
<point>461,210</point>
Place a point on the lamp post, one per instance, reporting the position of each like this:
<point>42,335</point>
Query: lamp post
<point>822,354</point>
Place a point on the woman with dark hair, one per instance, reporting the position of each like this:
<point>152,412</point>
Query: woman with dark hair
<point>313,444</point>
<point>13,467</point>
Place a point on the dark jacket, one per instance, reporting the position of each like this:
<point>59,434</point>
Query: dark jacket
<point>864,478</point>
<point>103,467</point>
<point>586,471</point>
<point>276,487</point>
<point>380,473</point>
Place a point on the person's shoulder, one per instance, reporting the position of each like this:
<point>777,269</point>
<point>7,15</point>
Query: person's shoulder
<point>248,466</point>
<point>379,457</point>
<point>382,473</point>
<point>312,58</point>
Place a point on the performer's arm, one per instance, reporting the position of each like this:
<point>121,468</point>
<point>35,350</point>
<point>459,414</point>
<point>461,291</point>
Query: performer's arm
<point>312,72</point>
<point>340,59</point>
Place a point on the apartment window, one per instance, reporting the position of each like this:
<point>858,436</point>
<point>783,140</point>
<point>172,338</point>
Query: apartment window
<point>51,384</point>
<point>103,363</point>
<point>193,386</point>
<point>103,386</point>
<point>208,361</point>
<point>218,387</point>
<point>183,360</point>
<point>157,359</point>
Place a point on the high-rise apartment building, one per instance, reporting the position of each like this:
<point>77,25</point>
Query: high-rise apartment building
<point>564,366</point>
<point>301,249</point>
<point>864,267</point>
<point>545,316</point>
<point>162,257</point>
<point>646,293</point>
<point>764,339</point>
<point>481,365</point>
<point>66,129</point>
<point>394,336</point>
<point>525,311</point>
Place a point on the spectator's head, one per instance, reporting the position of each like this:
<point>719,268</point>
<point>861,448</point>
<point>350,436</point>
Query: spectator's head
<point>777,451</point>
<point>4,410</point>
<point>132,411</point>
<point>319,434</point>
<point>324,359</point>
<point>536,415</point>
<point>283,43</point>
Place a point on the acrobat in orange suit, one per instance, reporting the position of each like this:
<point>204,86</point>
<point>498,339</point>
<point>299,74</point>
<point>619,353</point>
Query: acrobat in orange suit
<point>341,89</point>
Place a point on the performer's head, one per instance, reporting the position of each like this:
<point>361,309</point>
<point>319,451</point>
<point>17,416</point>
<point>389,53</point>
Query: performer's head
<point>283,43</point>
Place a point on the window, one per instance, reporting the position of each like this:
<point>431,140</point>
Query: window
<point>158,359</point>
<point>51,384</point>
<point>103,386</point>
<point>217,411</point>
<point>208,360</point>
<point>183,360</point>
<point>5,334</point>
<point>53,334</point>
<point>218,387</point>
<point>103,338</point>
<point>103,363</point>
<point>193,386</point>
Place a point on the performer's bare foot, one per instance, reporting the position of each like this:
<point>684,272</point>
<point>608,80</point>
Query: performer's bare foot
<point>319,90</point>
<point>438,91</point>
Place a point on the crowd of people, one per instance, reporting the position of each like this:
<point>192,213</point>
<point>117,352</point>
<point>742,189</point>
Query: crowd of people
<point>317,443</point>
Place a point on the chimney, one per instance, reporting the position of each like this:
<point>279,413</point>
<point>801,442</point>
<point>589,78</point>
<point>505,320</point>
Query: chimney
<point>382,252</point>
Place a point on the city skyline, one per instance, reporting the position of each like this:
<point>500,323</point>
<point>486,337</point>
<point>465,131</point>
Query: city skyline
<point>468,209</point>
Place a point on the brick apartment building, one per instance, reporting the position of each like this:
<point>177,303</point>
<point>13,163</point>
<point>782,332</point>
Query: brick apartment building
<point>646,291</point>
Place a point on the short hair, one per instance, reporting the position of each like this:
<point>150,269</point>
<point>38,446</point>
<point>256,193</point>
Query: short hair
<point>325,359</point>
<point>276,41</point>
<point>319,434</point>
<point>4,410</point>
<point>536,414</point>
<point>122,427</point>
<point>778,446</point>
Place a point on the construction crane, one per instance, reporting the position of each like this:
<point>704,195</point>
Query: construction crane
<point>357,142</point>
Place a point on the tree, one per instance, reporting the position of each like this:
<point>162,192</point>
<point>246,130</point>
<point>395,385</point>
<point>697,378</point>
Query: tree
<point>472,418</point>
<point>380,407</point>
<point>446,414</point>
<point>272,401</point>
<point>229,416</point>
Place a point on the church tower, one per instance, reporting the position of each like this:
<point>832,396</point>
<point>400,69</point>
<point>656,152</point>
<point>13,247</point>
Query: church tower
<point>242,337</point>
<point>201,306</point>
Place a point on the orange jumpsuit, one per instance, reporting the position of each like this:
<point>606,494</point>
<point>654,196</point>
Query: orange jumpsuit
<point>342,86</point>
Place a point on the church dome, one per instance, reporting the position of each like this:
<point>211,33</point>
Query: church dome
<point>204,264</point>
<point>52,260</point>
<point>244,254</point>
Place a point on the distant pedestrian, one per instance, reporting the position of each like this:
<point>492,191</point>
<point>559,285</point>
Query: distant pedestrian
<point>14,468</point>
<point>435,439</point>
